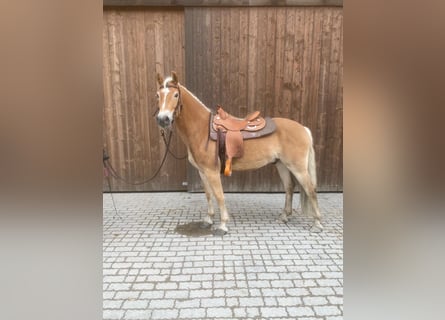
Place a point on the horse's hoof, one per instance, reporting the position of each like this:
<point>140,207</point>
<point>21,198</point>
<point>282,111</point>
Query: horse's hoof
<point>219,232</point>
<point>283,218</point>
<point>204,225</point>
<point>316,227</point>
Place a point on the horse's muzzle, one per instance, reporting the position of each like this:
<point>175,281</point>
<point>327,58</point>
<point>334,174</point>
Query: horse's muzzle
<point>164,121</point>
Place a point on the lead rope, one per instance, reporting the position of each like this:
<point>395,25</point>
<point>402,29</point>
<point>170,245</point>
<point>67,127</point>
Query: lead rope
<point>171,153</point>
<point>107,175</point>
<point>115,175</point>
<point>109,170</point>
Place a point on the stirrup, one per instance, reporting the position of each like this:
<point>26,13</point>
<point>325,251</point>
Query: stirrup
<point>228,169</point>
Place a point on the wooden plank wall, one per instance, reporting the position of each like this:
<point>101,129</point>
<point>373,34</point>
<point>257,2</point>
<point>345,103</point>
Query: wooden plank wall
<point>286,62</point>
<point>222,3</point>
<point>138,43</point>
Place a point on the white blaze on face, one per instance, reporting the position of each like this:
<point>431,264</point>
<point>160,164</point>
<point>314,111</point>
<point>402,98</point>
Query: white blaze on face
<point>165,91</point>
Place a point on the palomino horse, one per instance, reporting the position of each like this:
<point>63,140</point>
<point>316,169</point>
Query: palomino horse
<point>289,148</point>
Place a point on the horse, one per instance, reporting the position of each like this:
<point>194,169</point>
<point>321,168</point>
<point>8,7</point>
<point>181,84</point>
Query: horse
<point>289,147</point>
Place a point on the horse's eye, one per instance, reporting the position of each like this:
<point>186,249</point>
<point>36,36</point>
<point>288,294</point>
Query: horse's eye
<point>176,95</point>
<point>157,95</point>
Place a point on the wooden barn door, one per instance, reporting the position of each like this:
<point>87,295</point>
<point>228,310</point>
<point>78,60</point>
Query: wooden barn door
<point>286,62</point>
<point>137,43</point>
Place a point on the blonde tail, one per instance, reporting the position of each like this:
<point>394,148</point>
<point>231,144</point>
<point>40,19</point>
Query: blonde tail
<point>311,161</point>
<point>312,167</point>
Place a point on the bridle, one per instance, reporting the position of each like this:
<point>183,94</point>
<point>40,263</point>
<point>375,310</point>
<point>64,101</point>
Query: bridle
<point>109,170</point>
<point>178,106</point>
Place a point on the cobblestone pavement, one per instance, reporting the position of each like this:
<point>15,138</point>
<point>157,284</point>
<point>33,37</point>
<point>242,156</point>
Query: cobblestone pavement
<point>262,269</point>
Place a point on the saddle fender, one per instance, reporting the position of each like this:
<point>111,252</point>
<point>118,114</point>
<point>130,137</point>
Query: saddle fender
<point>229,132</point>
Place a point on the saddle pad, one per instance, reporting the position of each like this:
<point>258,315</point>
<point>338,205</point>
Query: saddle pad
<point>268,129</point>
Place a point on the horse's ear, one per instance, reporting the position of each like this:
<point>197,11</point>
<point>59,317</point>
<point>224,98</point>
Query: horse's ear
<point>174,77</point>
<point>160,79</point>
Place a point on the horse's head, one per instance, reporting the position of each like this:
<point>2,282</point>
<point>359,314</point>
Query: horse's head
<point>169,99</point>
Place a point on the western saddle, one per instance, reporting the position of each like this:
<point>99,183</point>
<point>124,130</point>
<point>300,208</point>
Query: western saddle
<point>229,132</point>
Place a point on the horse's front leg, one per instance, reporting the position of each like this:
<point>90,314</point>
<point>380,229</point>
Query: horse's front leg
<point>208,220</point>
<point>214,180</point>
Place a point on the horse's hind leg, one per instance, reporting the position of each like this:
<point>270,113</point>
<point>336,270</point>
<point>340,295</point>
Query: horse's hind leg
<point>289,185</point>
<point>208,220</point>
<point>309,204</point>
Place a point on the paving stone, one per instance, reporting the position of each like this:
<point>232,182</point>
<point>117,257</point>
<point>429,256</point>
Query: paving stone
<point>311,275</point>
<point>138,304</point>
<point>192,313</point>
<point>201,293</point>
<point>232,302</point>
<point>152,294</point>
<point>165,314</point>
<point>327,310</point>
<point>250,302</point>
<point>213,302</point>
<point>189,303</point>
<point>313,301</point>
<point>275,292</point>
<point>113,314</point>
<point>137,314</point>
<point>161,303</point>
<point>113,279</point>
<point>177,294</point>
<point>270,301</point>
<point>108,295</point>
<point>289,301</point>
<point>259,284</point>
<point>112,304</point>
<point>282,284</point>
<point>297,292</point>
<point>321,291</point>
<point>236,292</point>
<point>240,313</point>
<point>328,282</point>
<point>190,285</point>
<point>269,312</point>
<point>219,312</point>
<point>143,286</point>
<point>335,300</point>
<point>261,269</point>
<point>127,295</point>
<point>300,311</point>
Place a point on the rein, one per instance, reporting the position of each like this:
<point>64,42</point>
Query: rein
<point>108,168</point>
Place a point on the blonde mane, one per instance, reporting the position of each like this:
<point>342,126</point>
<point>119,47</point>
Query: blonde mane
<point>199,101</point>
